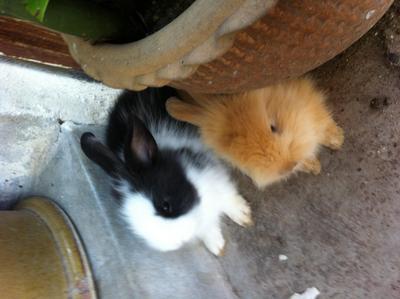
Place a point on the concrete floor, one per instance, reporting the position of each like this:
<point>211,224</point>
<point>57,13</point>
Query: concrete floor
<point>340,230</point>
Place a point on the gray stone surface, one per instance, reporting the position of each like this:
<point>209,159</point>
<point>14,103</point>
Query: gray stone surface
<point>25,148</point>
<point>33,102</point>
<point>51,93</point>
<point>340,230</point>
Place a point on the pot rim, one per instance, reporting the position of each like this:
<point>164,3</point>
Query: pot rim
<point>67,242</point>
<point>200,34</point>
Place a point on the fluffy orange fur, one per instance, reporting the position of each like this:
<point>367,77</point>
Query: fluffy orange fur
<point>267,133</point>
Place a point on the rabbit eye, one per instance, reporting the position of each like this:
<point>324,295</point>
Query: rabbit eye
<point>273,129</point>
<point>165,206</point>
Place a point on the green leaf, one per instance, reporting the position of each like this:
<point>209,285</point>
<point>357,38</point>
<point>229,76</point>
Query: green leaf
<point>37,8</point>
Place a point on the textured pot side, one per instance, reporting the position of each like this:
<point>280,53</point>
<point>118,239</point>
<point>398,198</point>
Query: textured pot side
<point>199,35</point>
<point>201,50</point>
<point>292,39</point>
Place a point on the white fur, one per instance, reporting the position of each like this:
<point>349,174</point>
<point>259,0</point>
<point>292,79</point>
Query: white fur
<point>310,293</point>
<point>218,196</point>
<point>160,233</point>
<point>173,138</point>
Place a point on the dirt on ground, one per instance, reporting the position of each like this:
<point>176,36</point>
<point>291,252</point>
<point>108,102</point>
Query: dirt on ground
<point>391,25</point>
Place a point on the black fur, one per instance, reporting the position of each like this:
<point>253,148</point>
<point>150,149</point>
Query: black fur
<point>149,106</point>
<point>102,156</point>
<point>132,154</point>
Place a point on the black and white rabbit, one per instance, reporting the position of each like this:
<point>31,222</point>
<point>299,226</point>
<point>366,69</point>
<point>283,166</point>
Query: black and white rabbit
<point>173,190</point>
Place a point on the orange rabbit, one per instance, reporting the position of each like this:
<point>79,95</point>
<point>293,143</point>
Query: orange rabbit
<point>268,133</point>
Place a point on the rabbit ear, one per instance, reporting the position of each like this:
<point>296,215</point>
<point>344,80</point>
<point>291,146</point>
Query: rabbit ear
<point>141,148</point>
<point>184,111</point>
<point>101,155</point>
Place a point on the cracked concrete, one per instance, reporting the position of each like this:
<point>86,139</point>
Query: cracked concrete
<point>26,143</point>
<point>26,89</point>
<point>34,101</point>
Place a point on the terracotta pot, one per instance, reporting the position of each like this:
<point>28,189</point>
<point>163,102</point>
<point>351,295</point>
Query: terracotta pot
<point>195,51</point>
<point>41,255</point>
<point>199,35</point>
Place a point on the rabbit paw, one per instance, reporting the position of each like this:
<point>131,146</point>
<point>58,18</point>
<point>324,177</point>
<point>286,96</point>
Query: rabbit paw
<point>215,242</point>
<point>311,165</point>
<point>334,137</point>
<point>240,212</point>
